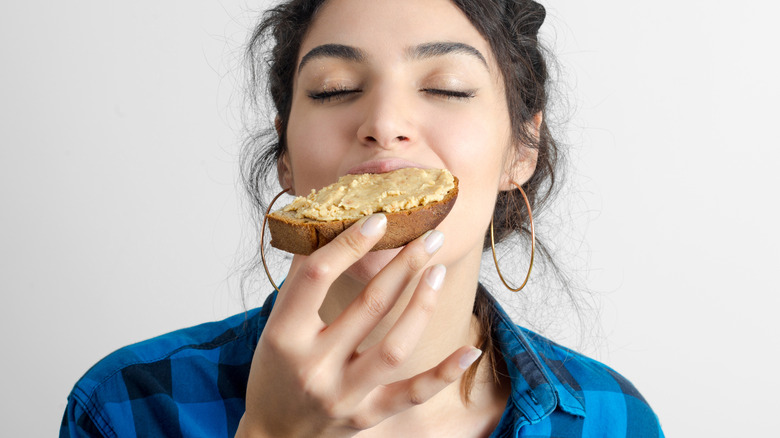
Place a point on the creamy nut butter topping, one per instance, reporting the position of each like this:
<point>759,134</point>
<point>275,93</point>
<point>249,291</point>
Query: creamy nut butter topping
<point>353,196</point>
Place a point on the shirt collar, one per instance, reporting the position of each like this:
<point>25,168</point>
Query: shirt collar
<point>536,390</point>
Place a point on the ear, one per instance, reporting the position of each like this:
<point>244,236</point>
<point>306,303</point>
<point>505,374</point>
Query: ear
<point>283,166</point>
<point>278,126</point>
<point>521,159</point>
<point>284,171</point>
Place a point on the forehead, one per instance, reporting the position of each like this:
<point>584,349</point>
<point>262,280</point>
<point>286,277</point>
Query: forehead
<point>391,27</point>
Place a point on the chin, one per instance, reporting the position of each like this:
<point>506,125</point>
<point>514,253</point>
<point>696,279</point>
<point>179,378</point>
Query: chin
<point>367,267</point>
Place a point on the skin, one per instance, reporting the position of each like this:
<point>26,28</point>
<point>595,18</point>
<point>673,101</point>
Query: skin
<point>360,344</point>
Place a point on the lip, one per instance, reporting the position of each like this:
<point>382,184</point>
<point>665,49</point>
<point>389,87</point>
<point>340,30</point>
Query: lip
<point>384,165</point>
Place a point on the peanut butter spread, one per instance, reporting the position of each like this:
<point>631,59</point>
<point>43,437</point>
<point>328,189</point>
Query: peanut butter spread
<point>354,196</point>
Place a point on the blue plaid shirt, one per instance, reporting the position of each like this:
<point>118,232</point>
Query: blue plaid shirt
<point>192,383</point>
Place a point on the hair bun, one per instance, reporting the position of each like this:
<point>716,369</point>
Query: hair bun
<point>530,16</point>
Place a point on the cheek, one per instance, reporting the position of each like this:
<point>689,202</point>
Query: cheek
<point>316,146</point>
<point>473,148</point>
<point>478,135</point>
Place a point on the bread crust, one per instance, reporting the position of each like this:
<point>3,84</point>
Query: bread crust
<point>304,236</point>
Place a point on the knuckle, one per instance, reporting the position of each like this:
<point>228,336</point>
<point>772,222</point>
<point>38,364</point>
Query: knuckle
<point>391,355</point>
<point>427,306</point>
<point>310,381</point>
<point>416,396</point>
<point>329,401</point>
<point>333,408</point>
<point>373,302</point>
<point>352,243</point>
<point>414,263</point>
<point>445,375</point>
<point>274,341</point>
<point>362,422</point>
<point>316,272</point>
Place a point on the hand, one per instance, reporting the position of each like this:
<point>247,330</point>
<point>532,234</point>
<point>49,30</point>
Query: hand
<point>306,378</point>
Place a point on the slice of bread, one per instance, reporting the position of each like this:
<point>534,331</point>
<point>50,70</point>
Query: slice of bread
<point>301,235</point>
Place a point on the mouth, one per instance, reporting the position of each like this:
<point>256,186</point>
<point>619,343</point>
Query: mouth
<point>382,166</point>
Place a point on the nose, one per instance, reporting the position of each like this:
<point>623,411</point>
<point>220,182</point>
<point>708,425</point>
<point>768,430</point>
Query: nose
<point>386,121</point>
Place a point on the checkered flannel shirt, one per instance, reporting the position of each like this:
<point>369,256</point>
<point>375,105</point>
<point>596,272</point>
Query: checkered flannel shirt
<point>192,383</point>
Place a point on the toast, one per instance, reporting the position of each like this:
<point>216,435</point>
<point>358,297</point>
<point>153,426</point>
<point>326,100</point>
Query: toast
<point>411,209</point>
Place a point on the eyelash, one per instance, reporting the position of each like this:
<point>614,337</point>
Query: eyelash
<point>341,93</point>
<point>451,94</point>
<point>325,96</point>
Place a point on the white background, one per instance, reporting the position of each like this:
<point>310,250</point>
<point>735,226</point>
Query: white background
<point>121,218</point>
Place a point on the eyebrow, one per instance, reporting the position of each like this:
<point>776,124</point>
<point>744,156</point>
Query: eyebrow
<point>421,51</point>
<point>339,51</point>
<point>440,48</point>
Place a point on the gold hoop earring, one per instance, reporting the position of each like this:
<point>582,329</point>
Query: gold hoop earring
<point>262,238</point>
<point>533,244</point>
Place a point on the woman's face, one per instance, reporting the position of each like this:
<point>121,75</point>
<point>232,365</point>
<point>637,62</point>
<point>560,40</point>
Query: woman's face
<point>382,84</point>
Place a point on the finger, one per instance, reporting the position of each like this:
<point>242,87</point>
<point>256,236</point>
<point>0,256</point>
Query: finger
<point>382,292</point>
<point>305,289</point>
<point>374,364</point>
<point>386,401</point>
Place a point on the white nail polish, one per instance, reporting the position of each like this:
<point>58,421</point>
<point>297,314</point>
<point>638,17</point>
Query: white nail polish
<point>469,358</point>
<point>433,241</point>
<point>435,276</point>
<point>374,225</point>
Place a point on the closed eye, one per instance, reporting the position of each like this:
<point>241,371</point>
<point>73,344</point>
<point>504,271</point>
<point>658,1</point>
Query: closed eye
<point>450,94</point>
<point>333,94</point>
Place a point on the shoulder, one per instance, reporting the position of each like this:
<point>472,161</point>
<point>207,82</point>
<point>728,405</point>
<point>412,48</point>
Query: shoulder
<point>151,356</point>
<point>169,377</point>
<point>609,400</point>
<point>559,392</point>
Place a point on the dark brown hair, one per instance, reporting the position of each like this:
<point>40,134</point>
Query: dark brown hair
<point>509,26</point>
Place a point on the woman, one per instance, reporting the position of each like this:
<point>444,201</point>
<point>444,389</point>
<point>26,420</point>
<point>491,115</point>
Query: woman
<point>382,343</point>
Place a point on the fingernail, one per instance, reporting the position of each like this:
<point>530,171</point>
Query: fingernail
<point>433,241</point>
<point>435,276</point>
<point>374,225</point>
<point>469,358</point>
